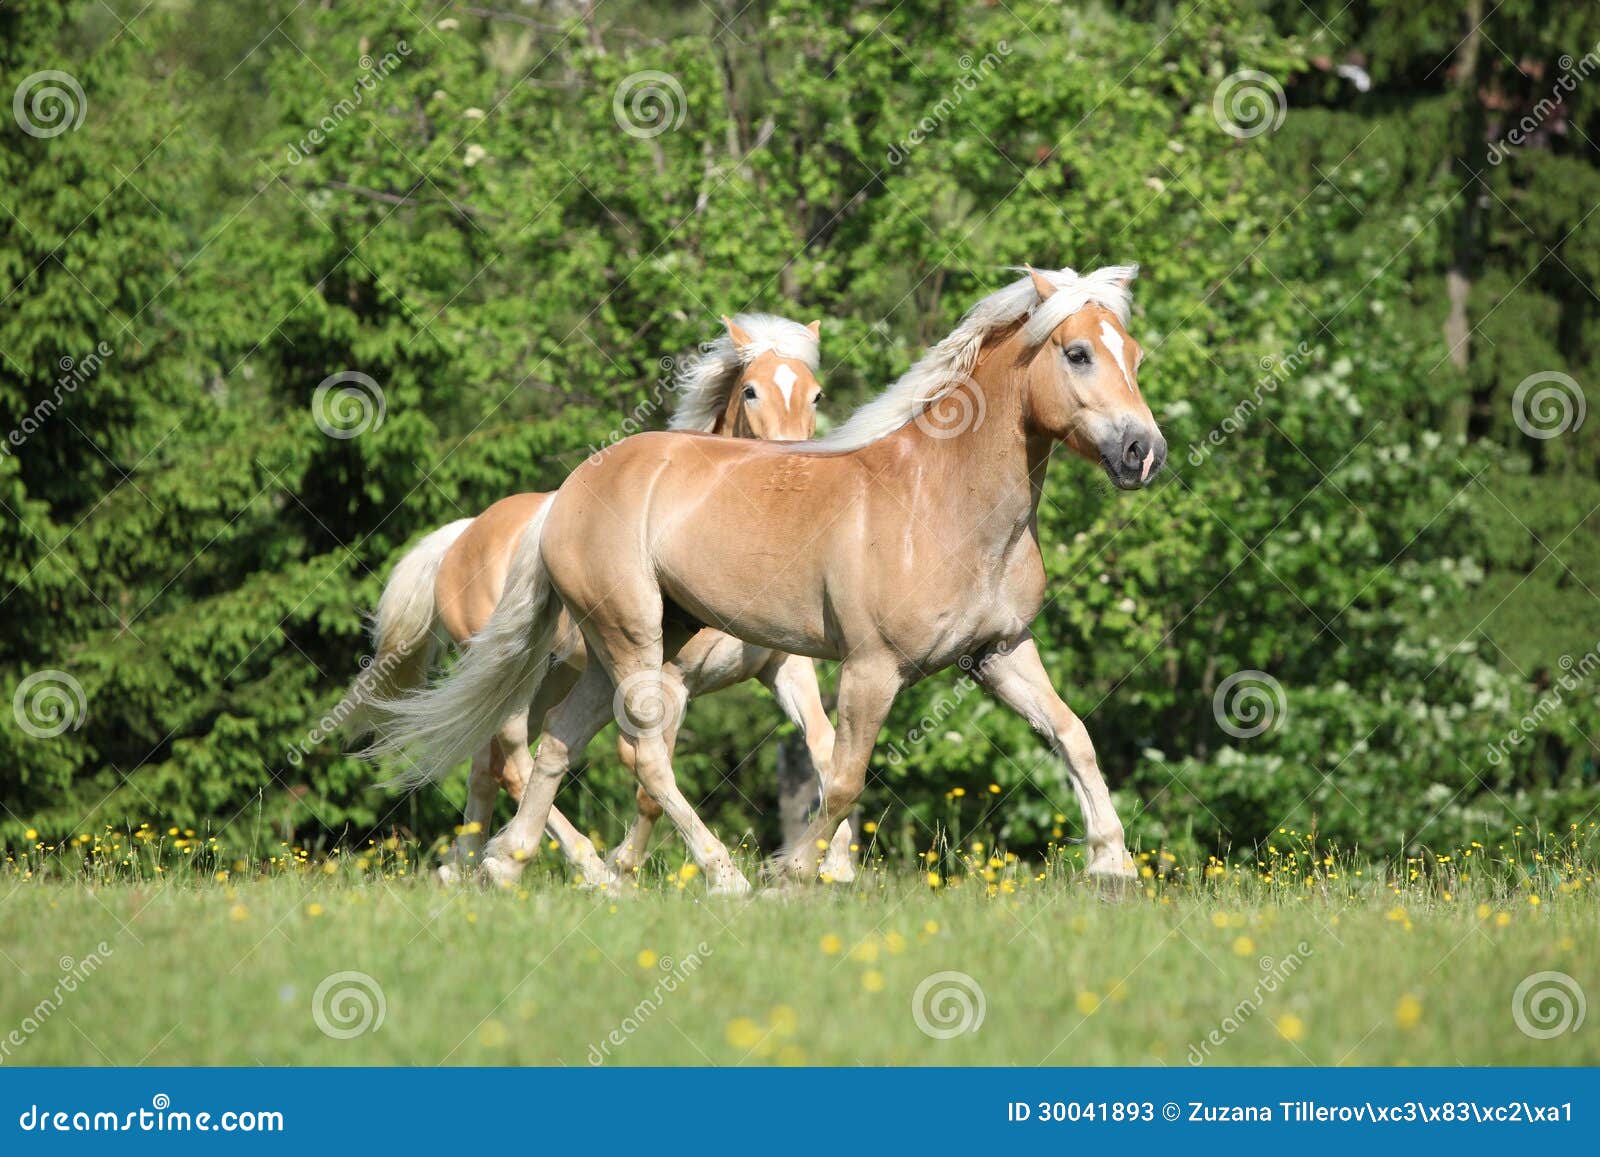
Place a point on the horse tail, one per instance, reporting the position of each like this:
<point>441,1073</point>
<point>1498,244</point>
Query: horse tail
<point>405,632</point>
<point>500,670</point>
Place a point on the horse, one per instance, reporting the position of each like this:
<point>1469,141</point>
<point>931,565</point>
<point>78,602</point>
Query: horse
<point>902,543</point>
<point>758,381</point>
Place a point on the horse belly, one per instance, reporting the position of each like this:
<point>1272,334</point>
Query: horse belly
<point>767,609</point>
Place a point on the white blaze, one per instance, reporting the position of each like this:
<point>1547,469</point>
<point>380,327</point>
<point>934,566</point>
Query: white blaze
<point>785,378</point>
<point>1113,342</point>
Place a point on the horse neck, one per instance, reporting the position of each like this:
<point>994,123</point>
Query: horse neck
<point>994,470</point>
<point>730,423</point>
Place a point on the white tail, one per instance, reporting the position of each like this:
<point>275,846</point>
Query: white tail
<point>501,668</point>
<point>404,632</point>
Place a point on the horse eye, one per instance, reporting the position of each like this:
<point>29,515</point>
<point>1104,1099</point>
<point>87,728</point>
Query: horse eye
<point>749,393</point>
<point>1077,355</point>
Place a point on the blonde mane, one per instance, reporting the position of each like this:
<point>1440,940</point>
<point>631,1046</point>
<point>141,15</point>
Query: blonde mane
<point>950,362</point>
<point>707,379</point>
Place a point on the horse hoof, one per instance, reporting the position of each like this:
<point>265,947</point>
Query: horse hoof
<point>734,885</point>
<point>781,869</point>
<point>783,890</point>
<point>1113,883</point>
<point>600,880</point>
<point>500,873</point>
<point>839,873</point>
<point>620,864</point>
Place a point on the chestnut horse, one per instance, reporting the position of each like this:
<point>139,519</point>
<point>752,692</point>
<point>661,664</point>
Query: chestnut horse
<point>900,544</point>
<point>757,381</point>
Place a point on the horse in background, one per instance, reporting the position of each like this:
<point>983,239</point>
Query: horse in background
<point>758,381</point>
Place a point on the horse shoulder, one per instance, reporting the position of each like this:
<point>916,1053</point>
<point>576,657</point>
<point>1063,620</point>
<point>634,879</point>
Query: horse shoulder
<point>1024,585</point>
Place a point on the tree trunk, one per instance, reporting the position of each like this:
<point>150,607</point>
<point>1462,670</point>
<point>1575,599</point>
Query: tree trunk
<point>1469,161</point>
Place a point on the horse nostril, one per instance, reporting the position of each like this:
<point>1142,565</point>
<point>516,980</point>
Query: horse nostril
<point>1134,454</point>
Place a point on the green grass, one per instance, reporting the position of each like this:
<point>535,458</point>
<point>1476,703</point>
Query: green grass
<point>1329,964</point>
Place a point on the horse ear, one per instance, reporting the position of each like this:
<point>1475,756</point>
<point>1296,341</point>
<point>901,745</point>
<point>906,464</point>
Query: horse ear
<point>740,337</point>
<point>1133,271</point>
<point>1041,284</point>
<point>815,328</point>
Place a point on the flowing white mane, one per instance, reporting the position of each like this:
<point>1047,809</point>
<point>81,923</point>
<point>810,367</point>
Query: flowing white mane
<point>950,362</point>
<point>707,379</point>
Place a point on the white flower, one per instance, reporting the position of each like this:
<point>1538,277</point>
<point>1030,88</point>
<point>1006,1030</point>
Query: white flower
<point>473,114</point>
<point>475,153</point>
<point>448,24</point>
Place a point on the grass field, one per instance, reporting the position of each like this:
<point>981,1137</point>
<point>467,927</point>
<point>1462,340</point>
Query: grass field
<point>1291,959</point>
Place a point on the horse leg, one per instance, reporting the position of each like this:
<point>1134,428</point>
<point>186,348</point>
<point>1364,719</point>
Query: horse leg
<point>568,730</point>
<point>709,662</point>
<point>483,785</point>
<point>793,683</point>
<point>631,852</point>
<point>1018,679</point>
<point>518,770</point>
<point>649,707</point>
<point>867,687</point>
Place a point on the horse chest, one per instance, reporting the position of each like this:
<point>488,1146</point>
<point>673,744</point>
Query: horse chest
<point>937,623</point>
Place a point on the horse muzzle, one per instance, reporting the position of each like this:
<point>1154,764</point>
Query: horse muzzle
<point>1134,455</point>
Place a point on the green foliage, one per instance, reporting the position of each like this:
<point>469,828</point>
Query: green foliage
<point>455,211</point>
